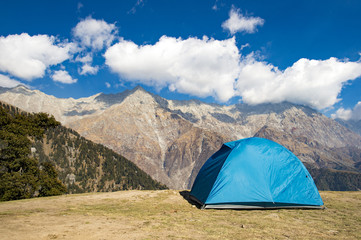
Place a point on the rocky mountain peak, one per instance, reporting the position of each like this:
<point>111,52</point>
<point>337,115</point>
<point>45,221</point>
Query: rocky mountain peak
<point>267,108</point>
<point>21,89</point>
<point>139,98</point>
<point>139,88</point>
<point>117,98</point>
<point>170,140</point>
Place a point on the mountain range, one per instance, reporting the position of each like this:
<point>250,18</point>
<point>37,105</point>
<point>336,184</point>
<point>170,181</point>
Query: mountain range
<point>170,139</point>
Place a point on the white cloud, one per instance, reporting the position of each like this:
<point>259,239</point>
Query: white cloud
<point>7,82</point>
<point>347,114</point>
<point>63,77</point>
<point>342,113</point>
<point>239,23</point>
<point>85,58</point>
<point>207,67</point>
<point>200,67</point>
<point>316,83</point>
<point>356,112</point>
<point>88,69</point>
<point>245,46</point>
<point>95,34</point>
<point>107,85</point>
<point>27,57</point>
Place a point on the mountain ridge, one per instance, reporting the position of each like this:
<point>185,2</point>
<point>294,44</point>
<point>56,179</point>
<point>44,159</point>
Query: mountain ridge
<point>171,139</point>
<point>354,125</point>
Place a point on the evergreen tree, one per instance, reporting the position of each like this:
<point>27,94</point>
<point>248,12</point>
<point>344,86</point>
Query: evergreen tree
<point>21,176</point>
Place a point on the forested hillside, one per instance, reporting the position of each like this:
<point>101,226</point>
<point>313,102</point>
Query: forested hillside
<point>39,157</point>
<point>85,166</point>
<point>22,176</point>
<point>335,180</point>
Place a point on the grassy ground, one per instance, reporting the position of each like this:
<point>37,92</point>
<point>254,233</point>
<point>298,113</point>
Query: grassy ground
<point>167,215</point>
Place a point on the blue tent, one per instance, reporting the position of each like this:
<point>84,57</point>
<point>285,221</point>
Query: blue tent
<point>255,173</point>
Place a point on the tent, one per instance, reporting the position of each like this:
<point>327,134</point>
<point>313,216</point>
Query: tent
<point>254,173</point>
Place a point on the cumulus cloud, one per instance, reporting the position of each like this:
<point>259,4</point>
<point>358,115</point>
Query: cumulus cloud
<point>87,69</point>
<point>239,23</point>
<point>316,83</point>
<point>63,77</point>
<point>27,57</point>
<point>200,67</point>
<point>94,34</point>
<point>349,114</point>
<point>7,82</point>
<point>85,58</point>
<point>342,113</point>
<point>208,67</point>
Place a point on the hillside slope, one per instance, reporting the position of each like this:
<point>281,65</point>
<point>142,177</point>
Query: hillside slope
<point>85,166</point>
<point>22,176</point>
<point>34,146</point>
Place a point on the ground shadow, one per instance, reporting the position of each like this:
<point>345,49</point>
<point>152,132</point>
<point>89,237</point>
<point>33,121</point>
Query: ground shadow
<point>186,195</point>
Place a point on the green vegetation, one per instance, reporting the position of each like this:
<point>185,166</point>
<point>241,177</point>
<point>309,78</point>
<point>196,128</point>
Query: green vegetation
<point>39,157</point>
<point>22,176</point>
<point>335,180</point>
<point>85,166</point>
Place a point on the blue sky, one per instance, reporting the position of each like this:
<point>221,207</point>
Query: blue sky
<point>305,52</point>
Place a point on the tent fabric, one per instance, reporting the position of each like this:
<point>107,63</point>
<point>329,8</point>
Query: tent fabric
<point>254,173</point>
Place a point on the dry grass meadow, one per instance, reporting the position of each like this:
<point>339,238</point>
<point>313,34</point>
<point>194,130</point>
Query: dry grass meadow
<point>167,215</point>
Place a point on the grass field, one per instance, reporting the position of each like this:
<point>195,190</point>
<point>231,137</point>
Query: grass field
<point>167,215</point>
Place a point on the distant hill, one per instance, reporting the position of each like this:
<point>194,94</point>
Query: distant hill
<point>335,180</point>
<point>353,125</point>
<point>36,151</point>
<point>170,140</point>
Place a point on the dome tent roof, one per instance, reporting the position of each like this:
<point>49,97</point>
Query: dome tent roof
<point>255,173</point>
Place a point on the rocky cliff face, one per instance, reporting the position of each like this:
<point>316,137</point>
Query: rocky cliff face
<point>170,140</point>
<point>161,142</point>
